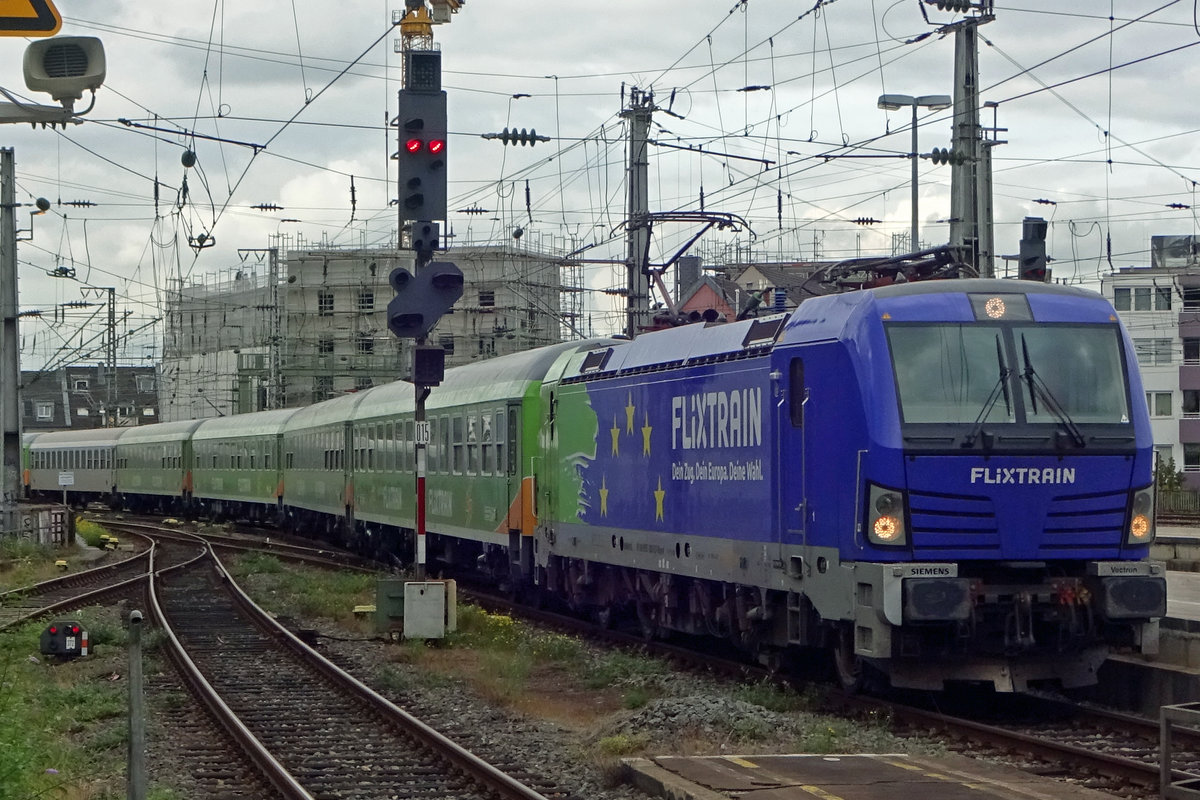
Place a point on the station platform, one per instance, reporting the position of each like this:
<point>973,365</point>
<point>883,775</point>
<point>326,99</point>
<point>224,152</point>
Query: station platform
<point>842,777</point>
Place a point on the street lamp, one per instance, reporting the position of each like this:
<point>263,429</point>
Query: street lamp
<point>895,102</point>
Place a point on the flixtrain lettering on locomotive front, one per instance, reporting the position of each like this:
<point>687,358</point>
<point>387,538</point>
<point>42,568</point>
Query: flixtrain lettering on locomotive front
<point>939,480</point>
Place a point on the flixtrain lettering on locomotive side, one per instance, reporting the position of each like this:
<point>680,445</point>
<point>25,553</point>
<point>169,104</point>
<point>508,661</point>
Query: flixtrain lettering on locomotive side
<point>934,481</point>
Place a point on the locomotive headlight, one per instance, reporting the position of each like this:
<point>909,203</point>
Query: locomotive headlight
<point>1141,517</point>
<point>885,517</point>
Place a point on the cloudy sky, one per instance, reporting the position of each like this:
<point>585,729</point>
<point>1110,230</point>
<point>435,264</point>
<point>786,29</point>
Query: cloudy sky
<point>287,103</point>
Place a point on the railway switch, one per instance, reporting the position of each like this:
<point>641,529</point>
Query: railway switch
<point>64,639</point>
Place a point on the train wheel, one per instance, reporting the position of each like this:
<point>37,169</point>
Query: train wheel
<point>605,616</point>
<point>648,620</point>
<point>850,669</point>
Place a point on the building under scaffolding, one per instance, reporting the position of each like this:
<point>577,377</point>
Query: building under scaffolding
<point>290,327</point>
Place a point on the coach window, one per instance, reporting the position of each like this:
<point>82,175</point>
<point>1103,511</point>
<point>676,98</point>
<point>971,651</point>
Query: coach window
<point>409,457</point>
<point>387,446</point>
<point>441,439</point>
<point>369,447</point>
<point>397,432</point>
<point>796,392</point>
<point>445,436</point>
<point>433,450</point>
<point>473,445</point>
<point>458,457</point>
<point>489,444</point>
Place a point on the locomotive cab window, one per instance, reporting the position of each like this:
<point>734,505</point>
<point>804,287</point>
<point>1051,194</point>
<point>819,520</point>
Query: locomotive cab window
<point>1015,378</point>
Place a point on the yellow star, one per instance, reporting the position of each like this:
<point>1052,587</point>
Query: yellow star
<point>629,415</point>
<point>646,435</point>
<point>616,435</point>
<point>604,497</point>
<point>659,494</point>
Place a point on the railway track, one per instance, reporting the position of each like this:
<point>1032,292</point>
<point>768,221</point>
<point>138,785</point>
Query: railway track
<point>262,682</point>
<point>312,729</point>
<point>99,585</point>
<point>1114,751</point>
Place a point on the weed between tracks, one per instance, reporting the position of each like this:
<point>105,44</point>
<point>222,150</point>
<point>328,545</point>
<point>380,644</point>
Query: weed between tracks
<point>597,694</point>
<point>23,563</point>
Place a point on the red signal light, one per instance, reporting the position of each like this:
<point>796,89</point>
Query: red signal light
<point>437,145</point>
<point>414,145</point>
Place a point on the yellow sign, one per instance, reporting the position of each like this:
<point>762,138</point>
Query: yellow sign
<point>29,18</point>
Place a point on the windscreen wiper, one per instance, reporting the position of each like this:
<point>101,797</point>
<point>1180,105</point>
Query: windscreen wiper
<point>1000,388</point>
<point>1038,388</point>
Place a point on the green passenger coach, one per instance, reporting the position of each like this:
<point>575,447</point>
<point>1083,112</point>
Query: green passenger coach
<point>237,468</point>
<point>154,466</point>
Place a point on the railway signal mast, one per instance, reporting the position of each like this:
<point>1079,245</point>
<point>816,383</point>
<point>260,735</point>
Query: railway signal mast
<point>431,288</point>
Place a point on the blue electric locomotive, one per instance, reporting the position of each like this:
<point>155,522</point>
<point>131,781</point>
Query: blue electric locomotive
<point>941,481</point>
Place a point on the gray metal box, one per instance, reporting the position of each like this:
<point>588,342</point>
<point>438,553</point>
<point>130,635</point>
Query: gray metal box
<point>430,609</point>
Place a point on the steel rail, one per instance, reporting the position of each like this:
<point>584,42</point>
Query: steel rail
<point>268,766</point>
<point>504,785</point>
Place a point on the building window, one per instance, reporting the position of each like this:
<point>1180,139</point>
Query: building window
<point>1121,298</point>
<point>81,412</point>
<point>1191,351</point>
<point>1162,351</point>
<point>1162,298</point>
<point>487,299</point>
<point>325,346</point>
<point>324,304</point>
<point>1145,351</point>
<point>1191,298</point>
<point>364,345</point>
<point>366,300</point>
<point>1152,351</point>
<point>447,343</point>
<point>1159,403</point>
<point>1141,298</point>
<point>145,383</point>
<point>80,384</point>
<point>1191,402</point>
<point>362,383</point>
<point>45,412</point>
<point>147,412</point>
<point>1191,456</point>
<point>322,387</point>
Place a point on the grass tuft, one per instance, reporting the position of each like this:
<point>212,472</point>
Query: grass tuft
<point>90,532</point>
